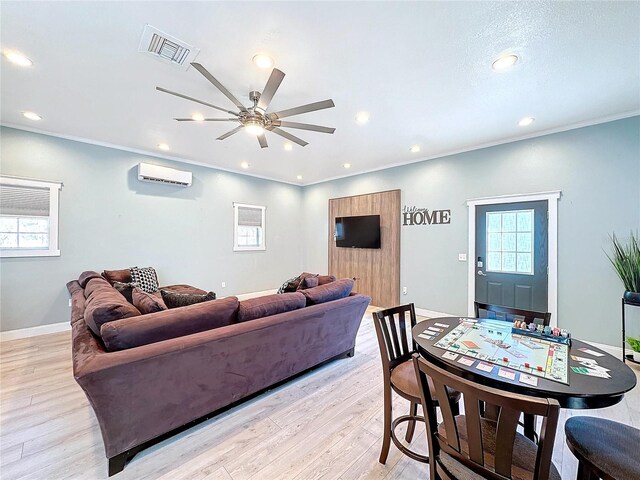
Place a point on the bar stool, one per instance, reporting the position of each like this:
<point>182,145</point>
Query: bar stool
<point>604,448</point>
<point>399,376</point>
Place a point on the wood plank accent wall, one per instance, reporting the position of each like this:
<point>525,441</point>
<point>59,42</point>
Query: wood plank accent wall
<point>377,270</point>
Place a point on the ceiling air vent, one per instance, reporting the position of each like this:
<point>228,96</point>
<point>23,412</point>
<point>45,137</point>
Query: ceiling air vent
<point>166,48</point>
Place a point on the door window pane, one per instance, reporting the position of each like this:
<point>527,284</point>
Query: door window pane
<point>8,240</point>
<point>510,242</point>
<point>8,224</point>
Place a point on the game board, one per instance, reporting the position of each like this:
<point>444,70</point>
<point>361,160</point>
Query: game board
<point>492,341</point>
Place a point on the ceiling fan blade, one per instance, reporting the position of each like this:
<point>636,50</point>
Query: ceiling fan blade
<point>275,79</point>
<point>263,140</point>
<point>207,120</point>
<point>228,134</point>
<point>304,126</point>
<point>164,90</point>
<point>218,85</point>
<point>302,109</point>
<point>288,136</point>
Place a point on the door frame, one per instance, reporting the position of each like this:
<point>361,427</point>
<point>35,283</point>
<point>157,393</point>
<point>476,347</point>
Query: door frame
<point>552,198</point>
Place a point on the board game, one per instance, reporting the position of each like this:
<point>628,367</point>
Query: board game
<point>493,341</point>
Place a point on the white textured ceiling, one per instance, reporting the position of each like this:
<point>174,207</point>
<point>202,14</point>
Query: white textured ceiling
<point>422,70</point>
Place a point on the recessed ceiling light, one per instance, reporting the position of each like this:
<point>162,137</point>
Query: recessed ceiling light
<point>262,60</point>
<point>31,116</point>
<point>197,117</point>
<point>245,165</point>
<point>362,117</point>
<point>526,121</point>
<point>288,147</point>
<point>504,62</point>
<point>17,58</point>
<point>299,177</point>
<point>414,148</point>
<point>347,165</point>
<point>163,146</point>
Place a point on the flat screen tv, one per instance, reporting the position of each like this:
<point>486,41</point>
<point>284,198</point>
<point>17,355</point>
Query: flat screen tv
<point>358,232</point>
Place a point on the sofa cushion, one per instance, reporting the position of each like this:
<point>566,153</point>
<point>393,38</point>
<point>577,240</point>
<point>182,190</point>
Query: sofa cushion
<point>182,288</point>
<point>176,300</point>
<point>308,282</point>
<point>104,304</point>
<point>146,277</point>
<point>125,289</point>
<point>324,279</point>
<point>156,327</point>
<point>269,305</point>
<point>123,276</point>
<point>330,291</point>
<point>84,277</point>
<point>147,302</point>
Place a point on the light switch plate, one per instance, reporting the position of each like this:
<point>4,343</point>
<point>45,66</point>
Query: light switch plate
<point>462,257</point>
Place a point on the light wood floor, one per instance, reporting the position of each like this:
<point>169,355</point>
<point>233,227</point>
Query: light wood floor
<point>326,424</point>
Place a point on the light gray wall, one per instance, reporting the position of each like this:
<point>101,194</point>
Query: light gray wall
<point>111,220</point>
<point>598,171</point>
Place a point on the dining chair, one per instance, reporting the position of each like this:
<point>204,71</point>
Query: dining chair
<point>471,446</point>
<point>393,326</point>
<point>604,448</point>
<point>510,314</point>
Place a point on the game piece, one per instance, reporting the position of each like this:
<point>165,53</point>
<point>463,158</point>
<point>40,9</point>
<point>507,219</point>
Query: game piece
<point>531,326</point>
<point>547,330</point>
<point>526,365</point>
<point>539,328</point>
<point>505,359</point>
<point>564,333</point>
<point>539,368</point>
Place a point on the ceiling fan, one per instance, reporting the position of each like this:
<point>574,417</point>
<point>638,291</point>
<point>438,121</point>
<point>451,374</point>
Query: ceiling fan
<point>255,118</point>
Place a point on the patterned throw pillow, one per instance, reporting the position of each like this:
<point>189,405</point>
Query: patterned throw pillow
<point>176,300</point>
<point>146,279</point>
<point>290,285</point>
<point>126,289</point>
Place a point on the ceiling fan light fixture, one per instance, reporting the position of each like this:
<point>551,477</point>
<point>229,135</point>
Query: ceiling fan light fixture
<point>31,116</point>
<point>262,60</point>
<point>17,58</point>
<point>245,165</point>
<point>504,62</point>
<point>197,117</point>
<point>362,117</point>
<point>347,165</point>
<point>254,129</point>
<point>526,121</point>
<point>288,147</point>
<point>163,146</point>
<point>299,177</point>
<point>414,148</point>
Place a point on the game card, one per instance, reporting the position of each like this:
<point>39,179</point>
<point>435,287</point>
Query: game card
<point>450,355</point>
<point>434,329</point>
<point>441,325</point>
<point>529,379</point>
<point>466,361</point>
<point>508,374</point>
<point>425,336</point>
<point>485,367</point>
<point>591,352</point>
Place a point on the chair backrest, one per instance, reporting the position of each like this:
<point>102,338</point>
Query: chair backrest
<point>510,407</point>
<point>394,338</point>
<point>510,314</point>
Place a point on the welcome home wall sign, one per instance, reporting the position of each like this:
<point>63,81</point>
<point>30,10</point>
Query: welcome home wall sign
<point>422,216</point>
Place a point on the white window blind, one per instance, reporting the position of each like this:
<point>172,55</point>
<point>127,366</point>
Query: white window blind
<point>249,228</point>
<point>28,217</point>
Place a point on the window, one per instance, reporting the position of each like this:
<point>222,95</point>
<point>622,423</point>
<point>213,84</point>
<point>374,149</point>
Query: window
<point>249,231</point>
<point>510,242</point>
<point>28,217</point>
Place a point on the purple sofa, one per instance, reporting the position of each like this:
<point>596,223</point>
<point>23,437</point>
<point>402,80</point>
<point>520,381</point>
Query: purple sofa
<point>143,394</point>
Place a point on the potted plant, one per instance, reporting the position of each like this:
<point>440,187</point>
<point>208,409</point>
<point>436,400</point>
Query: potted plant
<point>625,259</point>
<point>634,343</point>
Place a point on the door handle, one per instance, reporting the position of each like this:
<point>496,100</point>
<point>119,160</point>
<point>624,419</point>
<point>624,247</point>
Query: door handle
<point>481,273</point>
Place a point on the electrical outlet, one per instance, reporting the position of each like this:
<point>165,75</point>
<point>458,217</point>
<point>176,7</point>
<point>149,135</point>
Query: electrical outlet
<point>224,284</point>
<point>462,257</point>
<point>404,290</point>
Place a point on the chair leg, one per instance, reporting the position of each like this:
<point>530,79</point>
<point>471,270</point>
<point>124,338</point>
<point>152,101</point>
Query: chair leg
<point>585,473</point>
<point>529,426</point>
<point>386,435</point>
<point>455,408</point>
<point>411,426</point>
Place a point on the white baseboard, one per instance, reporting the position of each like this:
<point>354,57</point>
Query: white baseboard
<point>34,331</point>
<point>423,312</point>
<point>64,326</point>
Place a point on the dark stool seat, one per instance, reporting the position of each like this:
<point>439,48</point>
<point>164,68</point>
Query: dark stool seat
<point>605,449</point>
<point>405,382</point>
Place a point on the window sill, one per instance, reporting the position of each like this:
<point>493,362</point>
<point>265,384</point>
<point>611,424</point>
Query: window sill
<point>29,253</point>
<point>249,249</point>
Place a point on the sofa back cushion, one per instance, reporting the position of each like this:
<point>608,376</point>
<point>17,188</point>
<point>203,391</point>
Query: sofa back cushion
<point>105,304</point>
<point>147,302</point>
<point>122,276</point>
<point>270,305</point>
<point>84,277</point>
<point>156,327</point>
<point>330,291</point>
<point>324,279</point>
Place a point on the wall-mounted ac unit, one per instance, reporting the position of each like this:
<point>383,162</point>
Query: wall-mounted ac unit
<point>148,172</point>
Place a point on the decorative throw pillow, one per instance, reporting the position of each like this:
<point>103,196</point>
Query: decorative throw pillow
<point>146,302</point>
<point>176,300</point>
<point>308,282</point>
<point>112,276</point>
<point>126,289</point>
<point>146,278</point>
<point>290,285</point>
<point>324,279</point>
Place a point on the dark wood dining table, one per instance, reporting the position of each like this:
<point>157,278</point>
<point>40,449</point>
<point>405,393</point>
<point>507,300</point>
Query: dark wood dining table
<point>582,391</point>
